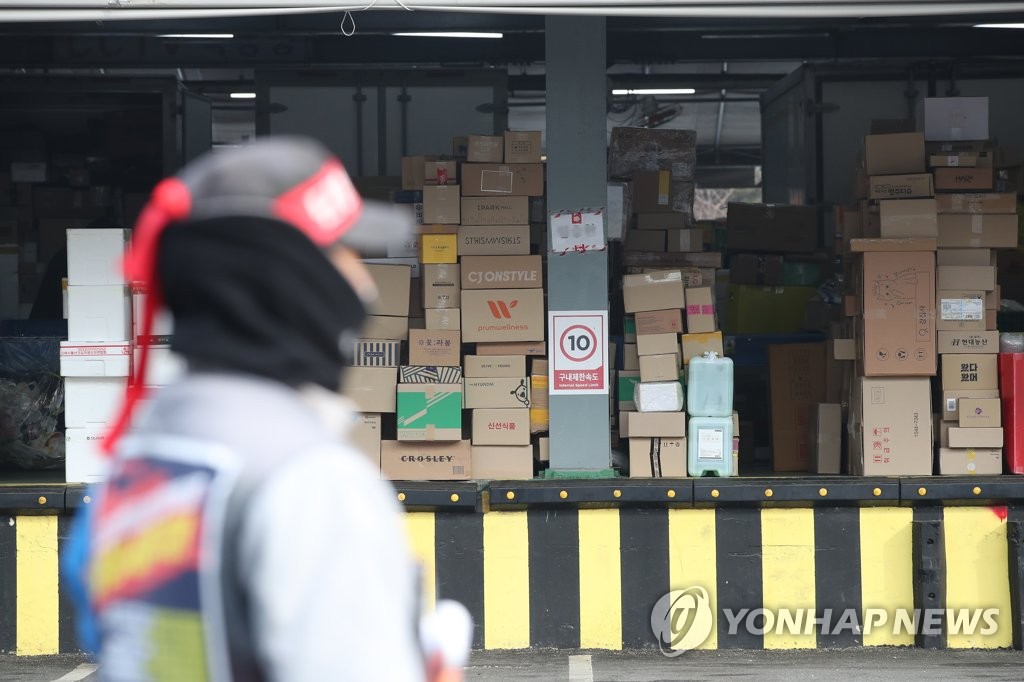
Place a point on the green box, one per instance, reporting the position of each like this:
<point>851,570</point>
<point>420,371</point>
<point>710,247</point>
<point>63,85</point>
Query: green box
<point>766,310</point>
<point>629,328</point>
<point>429,412</point>
<point>627,382</point>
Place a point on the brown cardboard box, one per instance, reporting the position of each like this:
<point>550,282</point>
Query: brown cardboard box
<point>977,231</point>
<point>372,389</point>
<point>644,149</point>
<point>386,327</point>
<point>497,392</point>
<point>961,179</point>
<point>751,268</point>
<point>501,427</point>
<point>900,186</point>
<point>435,348</point>
<point>657,458</point>
<point>797,382</point>
<point>502,462</point>
<point>503,315</point>
<point>441,285</point>
<point>491,179</point>
<point>899,314</point>
<point>894,154</point>
<point>774,228</point>
<point>653,291</point>
<point>512,348</point>
<point>440,173</point>
<point>871,220</point>
<point>908,218</point>
<point>365,436</point>
<point>975,438</point>
<point>441,204</point>
<point>953,160</point>
<point>494,366</point>
<point>970,372</point>
<point>695,345</point>
<point>977,203</point>
<point>981,343</point>
<point>684,241</point>
<point>657,425</point>
<point>663,221</point>
<point>907,244</point>
<point>700,311</point>
<point>966,277</point>
<point>961,311</point>
<point>951,401</point>
<point>416,298</point>
<point>971,462</point>
<point>892,432</point>
<point>392,290</point>
<point>485,149</point>
<point>543,449</point>
<point>645,240</point>
<point>502,272</point>
<point>657,192</point>
<point>657,344</point>
<point>977,257</point>
<point>412,171</point>
<point>659,367</point>
<point>844,349</point>
<point>449,319</point>
<point>993,298</point>
<point>494,240</point>
<point>630,358</point>
<point>522,146</point>
<point>660,322</point>
<point>405,461</point>
<point>495,211</point>
<point>980,412</point>
<point>827,438</point>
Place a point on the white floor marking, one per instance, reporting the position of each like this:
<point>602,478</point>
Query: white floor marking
<point>581,669</point>
<point>83,671</point>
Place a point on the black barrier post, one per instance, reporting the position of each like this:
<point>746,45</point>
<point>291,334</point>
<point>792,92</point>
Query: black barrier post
<point>929,578</point>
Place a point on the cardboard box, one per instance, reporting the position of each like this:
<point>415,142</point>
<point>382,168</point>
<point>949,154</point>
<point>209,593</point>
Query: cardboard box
<point>502,272</point>
<point>412,263</point>
<point>657,425</point>
<point>968,342</point>
<point>84,461</point>
<point>684,241</point>
<point>976,257</point>
<point>495,366</point>
<point>970,372</point>
<point>653,291</point>
<point>494,240</point>
<point>497,393</point>
<point>512,348</point>
<point>544,449</point>
<point>442,287</point>
<point>909,218</point>
<point>503,315</point>
<point>425,461</point>
<point>364,435</point>
<point>429,374</point>
<point>975,438</point>
<point>700,311</point>
<point>392,290</point>
<point>502,462</point>
<point>659,367</point>
<point>99,314</point>
<point>663,221</point>
<point>659,322</point>
<point>894,154</point>
<point>657,192</point>
<point>495,211</point>
<point>980,413</point>
<point>827,438</point>
<point>630,358</point>
<point>953,160</point>
<point>413,170</point>
<point>92,402</point>
<point>844,349</point>
<point>657,457</point>
<point>442,204</point>
<point>891,432</point>
<point>961,311</point>
<point>439,245</point>
<point>898,300</point>
<point>773,228</point>
<point>977,203</point>
<point>797,384</point>
<point>429,412</point>
<point>485,149</point>
<point>646,240</point>
<point>966,277</point>
<point>94,257</point>
<point>901,186</point>
<point>907,244</point>
<point>657,344</point>
<point>951,401</point>
<point>501,427</point>
<point>647,149</point>
<point>440,173</point>
<point>977,231</point>
<point>695,345</point>
<point>372,389</point>
<point>491,179</point>
<point>434,347</point>
<point>371,353</point>
<point>964,179</point>
<point>523,146</point>
<point>460,146</point>
<point>385,327</point>
<point>955,118</point>
<point>970,462</point>
<point>757,269</point>
<point>449,319</point>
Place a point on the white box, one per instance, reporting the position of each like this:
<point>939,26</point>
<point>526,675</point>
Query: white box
<point>99,314</point>
<point>950,119</point>
<point>94,256</point>
<point>95,359</point>
<point>164,368</point>
<point>92,401</point>
<point>163,323</point>
<point>84,463</point>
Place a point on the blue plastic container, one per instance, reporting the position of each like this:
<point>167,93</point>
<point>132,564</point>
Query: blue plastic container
<point>709,386</point>
<point>709,446</point>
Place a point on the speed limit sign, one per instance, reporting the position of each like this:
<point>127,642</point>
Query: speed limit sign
<point>579,352</point>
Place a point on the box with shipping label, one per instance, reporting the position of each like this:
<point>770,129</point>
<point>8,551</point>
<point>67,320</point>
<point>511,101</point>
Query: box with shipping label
<point>797,384</point>
<point>773,228</point>
<point>963,372</point>
<point>695,345</point>
<point>982,343</point>
<point>449,319</point>
<point>659,367</point>
<point>983,437</point>
<point>491,179</point>
<point>503,210</point>
<point>502,272</point>
<point>953,119</point>
<point>657,457</point>
<point>898,336</point>
<point>429,374</point>
<point>407,461</point>
<point>986,231</point>
<point>497,392</point>
<point>374,353</point>
<point>658,290</point>
<point>954,160</point>
<point>826,438</point>
<point>970,461</point>
<point>961,310</point>
<point>435,347</point>
<point>502,462</point>
<point>99,314</point>
<point>523,146</point>
<point>977,203</point>
<point>894,154</point>
<point>951,401</point>
<point>657,192</point>
<point>485,149</point>
<point>495,366</point>
<point>364,435</point>
<point>891,432</point>
<point>509,426</point>
<point>912,186</point>
<point>659,322</point>
<point>393,282</point>
<point>429,412</point>
<point>442,286</point>
<point>440,173</point>
<point>657,425</point>
<point>657,344</point>
<point>94,256</point>
<point>372,389</point>
<point>494,240</point>
<point>966,277</point>
<point>700,311</point>
<point>980,412</point>
<point>964,179</point>
<point>908,218</point>
<point>503,315</point>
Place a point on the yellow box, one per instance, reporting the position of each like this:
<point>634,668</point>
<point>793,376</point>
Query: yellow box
<point>439,248</point>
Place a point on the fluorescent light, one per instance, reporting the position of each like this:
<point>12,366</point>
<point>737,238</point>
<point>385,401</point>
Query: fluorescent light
<point>243,95</point>
<point>200,36</point>
<point>656,91</point>
<point>449,34</point>
<point>1021,26</point>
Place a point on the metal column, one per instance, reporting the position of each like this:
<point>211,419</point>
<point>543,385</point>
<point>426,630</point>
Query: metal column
<point>577,97</point>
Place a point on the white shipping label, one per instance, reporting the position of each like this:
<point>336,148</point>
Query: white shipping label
<point>950,405</point>
<point>710,444</point>
<point>953,161</point>
<point>962,309</point>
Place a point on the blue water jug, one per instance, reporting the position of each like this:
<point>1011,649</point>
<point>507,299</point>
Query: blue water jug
<point>709,386</point>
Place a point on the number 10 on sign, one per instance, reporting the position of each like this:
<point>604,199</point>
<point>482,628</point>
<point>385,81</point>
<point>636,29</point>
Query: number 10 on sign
<point>579,352</point>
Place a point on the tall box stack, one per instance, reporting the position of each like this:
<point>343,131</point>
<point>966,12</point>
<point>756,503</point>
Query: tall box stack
<point>972,223</point>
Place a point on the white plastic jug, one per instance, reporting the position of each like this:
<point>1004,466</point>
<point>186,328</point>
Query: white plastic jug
<point>709,446</point>
<point>709,386</point>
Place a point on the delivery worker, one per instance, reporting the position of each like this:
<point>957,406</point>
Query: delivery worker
<point>238,536</point>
